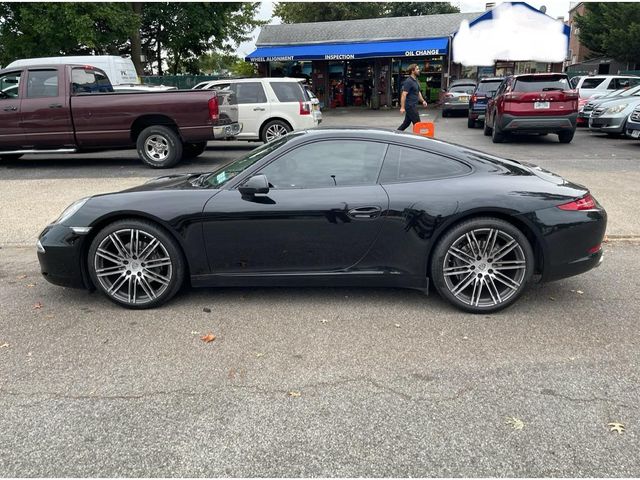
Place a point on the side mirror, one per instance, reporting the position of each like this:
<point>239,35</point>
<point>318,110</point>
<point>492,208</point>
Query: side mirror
<point>256,184</point>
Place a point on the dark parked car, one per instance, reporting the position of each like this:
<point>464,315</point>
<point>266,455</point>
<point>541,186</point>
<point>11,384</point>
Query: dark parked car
<point>533,103</point>
<point>333,207</point>
<point>486,88</point>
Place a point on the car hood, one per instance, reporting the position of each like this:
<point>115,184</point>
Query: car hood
<point>182,181</point>
<point>612,102</point>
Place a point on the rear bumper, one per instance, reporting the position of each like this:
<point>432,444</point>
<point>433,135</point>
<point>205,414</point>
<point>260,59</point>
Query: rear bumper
<point>227,131</point>
<point>607,124</point>
<point>455,106</point>
<point>478,113</point>
<point>538,124</point>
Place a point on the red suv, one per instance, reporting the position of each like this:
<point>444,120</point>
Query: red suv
<point>533,103</point>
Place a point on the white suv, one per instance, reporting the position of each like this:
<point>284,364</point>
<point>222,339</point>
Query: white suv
<point>603,84</point>
<point>270,107</point>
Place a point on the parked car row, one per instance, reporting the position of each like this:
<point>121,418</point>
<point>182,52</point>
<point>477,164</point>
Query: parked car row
<point>612,114</point>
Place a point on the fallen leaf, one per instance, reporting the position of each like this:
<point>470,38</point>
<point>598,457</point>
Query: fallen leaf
<point>29,354</point>
<point>515,423</point>
<point>4,345</point>
<point>206,310</point>
<point>294,393</point>
<point>397,325</point>
<point>579,292</point>
<point>195,333</point>
<point>210,337</point>
<point>324,320</point>
<point>553,299</point>
<point>618,427</point>
<point>22,277</point>
<point>37,306</point>
<point>31,285</point>
<point>465,338</point>
<point>258,355</point>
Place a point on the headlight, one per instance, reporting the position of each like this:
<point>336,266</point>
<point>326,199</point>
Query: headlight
<point>71,209</point>
<point>617,108</point>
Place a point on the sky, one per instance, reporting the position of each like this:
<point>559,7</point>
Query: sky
<point>555,8</point>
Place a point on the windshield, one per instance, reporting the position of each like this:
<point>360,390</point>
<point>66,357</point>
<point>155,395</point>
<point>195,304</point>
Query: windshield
<point>222,176</point>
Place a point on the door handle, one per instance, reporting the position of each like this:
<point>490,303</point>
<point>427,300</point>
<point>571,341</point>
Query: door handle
<point>365,212</point>
<point>259,109</point>
<point>55,105</point>
<point>10,109</point>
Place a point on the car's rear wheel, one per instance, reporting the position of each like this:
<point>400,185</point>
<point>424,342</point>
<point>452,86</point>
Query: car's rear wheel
<point>136,264</point>
<point>482,265</point>
<point>445,113</point>
<point>159,147</point>
<point>497,136</point>
<point>471,123</point>
<point>487,129</point>
<point>273,130</point>
<point>192,150</point>
<point>565,137</point>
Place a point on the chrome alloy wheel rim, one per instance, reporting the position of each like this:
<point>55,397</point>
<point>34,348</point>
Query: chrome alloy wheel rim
<point>133,266</point>
<point>484,267</point>
<point>157,147</point>
<point>275,131</point>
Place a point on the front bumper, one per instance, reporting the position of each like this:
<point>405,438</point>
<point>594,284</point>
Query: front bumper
<point>61,256</point>
<point>632,127</point>
<point>607,124</point>
<point>227,131</point>
<point>538,124</point>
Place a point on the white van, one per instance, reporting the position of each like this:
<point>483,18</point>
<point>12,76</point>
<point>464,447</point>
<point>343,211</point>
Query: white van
<point>120,70</point>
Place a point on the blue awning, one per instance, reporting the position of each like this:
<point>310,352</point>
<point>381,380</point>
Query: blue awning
<point>352,51</point>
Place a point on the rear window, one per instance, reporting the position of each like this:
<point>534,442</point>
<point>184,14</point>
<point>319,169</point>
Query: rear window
<point>485,87</point>
<point>541,83</point>
<point>591,82</point>
<point>288,91</point>
<point>89,81</point>
<point>463,88</point>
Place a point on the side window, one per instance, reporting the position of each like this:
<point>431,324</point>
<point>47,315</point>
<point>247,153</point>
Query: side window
<point>219,86</point>
<point>249,92</point>
<point>9,85</point>
<point>404,164</point>
<point>42,84</point>
<point>331,163</point>
<point>89,81</point>
<point>591,82</point>
<point>288,91</point>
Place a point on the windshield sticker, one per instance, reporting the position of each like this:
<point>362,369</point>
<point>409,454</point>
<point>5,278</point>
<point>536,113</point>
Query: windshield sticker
<point>221,177</point>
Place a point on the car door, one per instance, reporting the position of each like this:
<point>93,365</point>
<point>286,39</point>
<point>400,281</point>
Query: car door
<point>11,133</point>
<point>253,108</point>
<point>46,116</point>
<point>323,212</point>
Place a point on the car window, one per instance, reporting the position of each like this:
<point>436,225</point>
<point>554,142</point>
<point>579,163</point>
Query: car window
<point>541,83</point>
<point>327,164</point>
<point>404,164</point>
<point>219,86</point>
<point>249,92</point>
<point>485,87</point>
<point>42,83</point>
<point>89,81</point>
<point>591,82</point>
<point>288,91</point>
<point>9,85</point>
<point>573,83</point>
<point>463,89</point>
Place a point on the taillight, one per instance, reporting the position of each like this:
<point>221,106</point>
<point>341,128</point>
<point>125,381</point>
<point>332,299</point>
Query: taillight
<point>214,109</point>
<point>595,249</point>
<point>474,98</point>
<point>585,203</point>
<point>305,108</point>
<point>448,95</point>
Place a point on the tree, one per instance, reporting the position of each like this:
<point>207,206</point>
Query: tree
<point>52,29</point>
<point>299,12</point>
<point>611,29</point>
<point>241,68</point>
<point>188,30</point>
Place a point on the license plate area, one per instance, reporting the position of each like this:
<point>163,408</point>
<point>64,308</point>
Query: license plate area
<point>635,134</point>
<point>541,105</point>
<point>463,99</point>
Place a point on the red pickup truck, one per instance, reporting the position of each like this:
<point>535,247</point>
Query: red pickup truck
<point>72,108</point>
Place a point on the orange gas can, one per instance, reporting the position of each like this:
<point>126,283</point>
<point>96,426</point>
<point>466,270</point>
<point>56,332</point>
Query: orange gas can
<point>426,129</point>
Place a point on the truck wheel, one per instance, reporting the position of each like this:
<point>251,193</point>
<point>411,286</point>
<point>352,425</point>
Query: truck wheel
<point>565,137</point>
<point>10,157</point>
<point>159,147</point>
<point>274,129</point>
<point>192,150</point>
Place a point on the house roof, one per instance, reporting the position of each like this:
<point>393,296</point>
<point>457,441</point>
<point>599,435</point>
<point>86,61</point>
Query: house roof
<point>367,30</point>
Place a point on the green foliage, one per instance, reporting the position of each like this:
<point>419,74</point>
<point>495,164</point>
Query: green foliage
<point>302,12</point>
<point>51,29</point>
<point>611,29</point>
<point>241,68</point>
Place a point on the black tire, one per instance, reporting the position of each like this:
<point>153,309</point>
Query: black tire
<point>497,136</point>
<point>169,147</point>
<point>192,150</point>
<point>9,157</point>
<point>471,123</point>
<point>565,137</point>
<point>274,129</point>
<point>445,113</point>
<point>122,258</point>
<point>486,129</point>
<point>518,270</point>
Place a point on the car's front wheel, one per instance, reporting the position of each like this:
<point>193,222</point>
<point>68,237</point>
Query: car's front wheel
<point>482,265</point>
<point>497,135</point>
<point>136,264</point>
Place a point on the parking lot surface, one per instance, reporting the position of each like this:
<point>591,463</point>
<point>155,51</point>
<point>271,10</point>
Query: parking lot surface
<point>320,382</point>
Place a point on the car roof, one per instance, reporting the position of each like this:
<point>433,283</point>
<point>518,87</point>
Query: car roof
<point>258,79</point>
<point>491,79</point>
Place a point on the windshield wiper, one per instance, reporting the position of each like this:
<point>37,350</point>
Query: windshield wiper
<point>198,181</point>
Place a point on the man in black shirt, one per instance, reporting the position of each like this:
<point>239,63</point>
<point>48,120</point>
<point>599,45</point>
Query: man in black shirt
<point>410,97</point>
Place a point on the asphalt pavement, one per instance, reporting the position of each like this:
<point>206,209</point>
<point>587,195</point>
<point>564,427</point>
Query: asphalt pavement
<point>326,381</point>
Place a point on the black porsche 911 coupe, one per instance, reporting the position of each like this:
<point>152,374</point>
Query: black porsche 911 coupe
<point>333,207</point>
